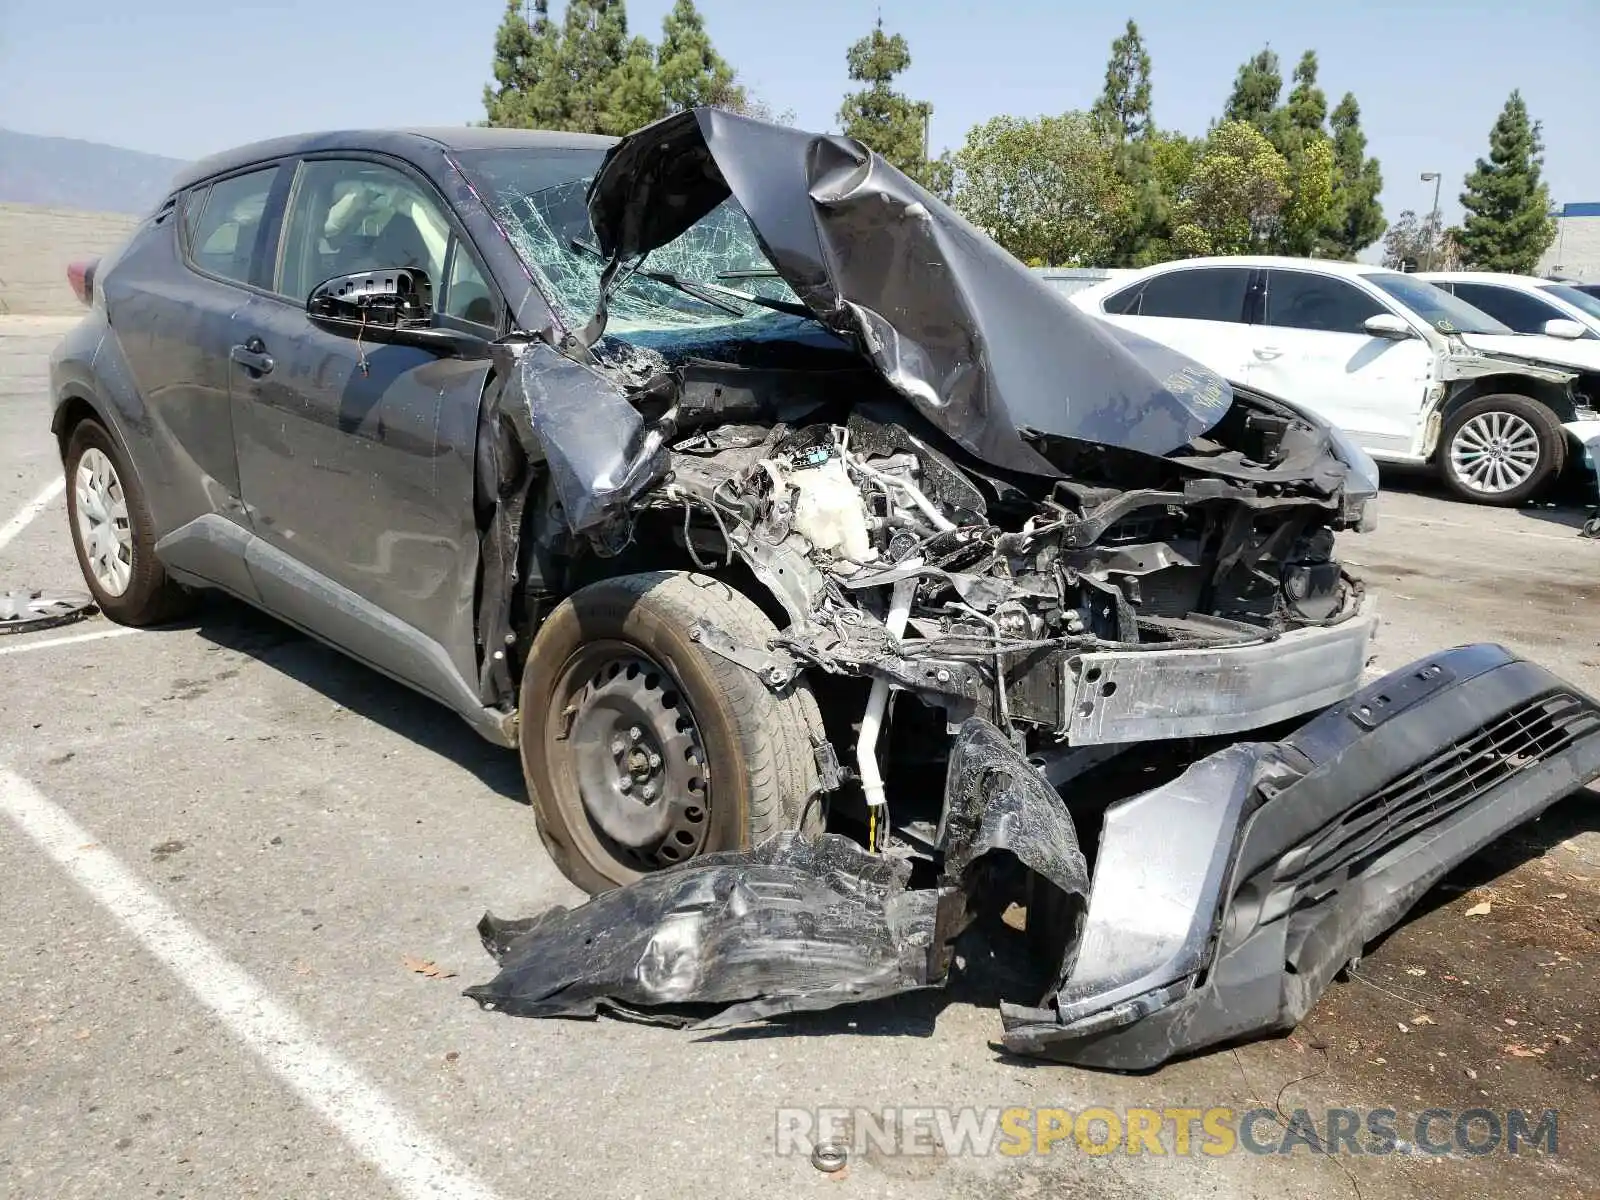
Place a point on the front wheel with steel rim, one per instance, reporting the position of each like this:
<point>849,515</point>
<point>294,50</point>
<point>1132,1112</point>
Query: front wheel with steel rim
<point>1501,450</point>
<point>641,749</point>
<point>113,533</point>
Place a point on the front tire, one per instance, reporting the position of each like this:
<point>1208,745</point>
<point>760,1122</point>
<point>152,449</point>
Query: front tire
<point>641,749</point>
<point>1501,450</point>
<point>114,534</point>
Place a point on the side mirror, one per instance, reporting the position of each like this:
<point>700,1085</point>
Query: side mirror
<point>372,302</point>
<point>393,306</point>
<point>1561,327</point>
<point>1387,325</point>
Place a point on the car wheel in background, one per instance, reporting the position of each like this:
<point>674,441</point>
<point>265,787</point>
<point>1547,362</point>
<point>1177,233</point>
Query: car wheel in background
<point>1501,450</point>
<point>642,749</point>
<point>113,533</point>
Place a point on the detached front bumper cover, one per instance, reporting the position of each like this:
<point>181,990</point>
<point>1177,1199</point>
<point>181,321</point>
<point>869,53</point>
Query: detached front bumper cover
<point>1221,904</point>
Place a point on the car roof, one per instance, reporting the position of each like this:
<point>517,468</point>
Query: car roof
<point>1324,266</point>
<point>394,141</point>
<point>1504,278</point>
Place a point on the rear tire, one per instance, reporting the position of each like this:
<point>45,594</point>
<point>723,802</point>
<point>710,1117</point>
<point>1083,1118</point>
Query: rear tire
<point>1501,450</point>
<point>114,534</point>
<point>641,749</point>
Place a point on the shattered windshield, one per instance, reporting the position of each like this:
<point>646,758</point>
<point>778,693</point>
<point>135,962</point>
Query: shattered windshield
<point>713,274</point>
<point>1445,312</point>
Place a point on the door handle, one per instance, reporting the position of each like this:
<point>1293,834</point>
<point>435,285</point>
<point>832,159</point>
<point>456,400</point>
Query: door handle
<point>1268,353</point>
<point>253,357</point>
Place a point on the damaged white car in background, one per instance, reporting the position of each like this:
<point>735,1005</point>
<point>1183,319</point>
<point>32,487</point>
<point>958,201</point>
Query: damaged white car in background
<point>1411,372</point>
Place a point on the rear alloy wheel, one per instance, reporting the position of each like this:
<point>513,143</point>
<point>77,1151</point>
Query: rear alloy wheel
<point>114,534</point>
<point>641,748</point>
<point>1501,450</point>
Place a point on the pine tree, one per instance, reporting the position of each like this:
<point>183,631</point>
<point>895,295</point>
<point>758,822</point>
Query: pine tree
<point>1357,218</point>
<point>1508,223</point>
<point>1123,111</point>
<point>634,95</point>
<point>1307,108</point>
<point>692,72</point>
<point>1304,144</point>
<point>881,118</point>
<point>1122,118</point>
<point>531,91</point>
<point>1254,99</point>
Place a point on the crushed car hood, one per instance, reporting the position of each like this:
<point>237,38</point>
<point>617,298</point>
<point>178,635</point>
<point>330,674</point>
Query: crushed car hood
<point>1577,355</point>
<point>983,348</point>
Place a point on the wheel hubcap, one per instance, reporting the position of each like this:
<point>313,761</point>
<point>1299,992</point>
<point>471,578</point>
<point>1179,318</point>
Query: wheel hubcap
<point>637,755</point>
<point>1495,452</point>
<point>103,528</point>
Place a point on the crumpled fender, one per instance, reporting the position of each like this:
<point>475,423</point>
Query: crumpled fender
<point>796,923</point>
<point>600,451</point>
<point>1463,362</point>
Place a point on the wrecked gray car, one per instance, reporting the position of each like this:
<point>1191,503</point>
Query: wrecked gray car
<point>841,587</point>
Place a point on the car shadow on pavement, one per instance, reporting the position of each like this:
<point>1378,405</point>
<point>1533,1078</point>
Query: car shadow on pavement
<point>912,1014</point>
<point>992,963</point>
<point>1575,816</point>
<point>1568,504</point>
<point>367,693</point>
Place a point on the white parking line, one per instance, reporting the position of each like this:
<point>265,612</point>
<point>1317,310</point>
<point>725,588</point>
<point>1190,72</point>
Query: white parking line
<point>373,1126</point>
<point>97,635</point>
<point>30,510</point>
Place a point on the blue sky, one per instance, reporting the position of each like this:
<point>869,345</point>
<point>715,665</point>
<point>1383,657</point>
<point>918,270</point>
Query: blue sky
<point>185,77</point>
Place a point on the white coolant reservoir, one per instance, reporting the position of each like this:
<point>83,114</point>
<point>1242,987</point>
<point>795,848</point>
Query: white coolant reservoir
<point>829,511</point>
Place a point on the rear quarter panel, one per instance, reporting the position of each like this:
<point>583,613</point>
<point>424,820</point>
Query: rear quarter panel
<point>141,345</point>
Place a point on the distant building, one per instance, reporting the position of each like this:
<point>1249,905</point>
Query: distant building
<point>1575,253</point>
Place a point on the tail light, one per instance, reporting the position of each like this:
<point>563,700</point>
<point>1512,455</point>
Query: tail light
<point>81,276</point>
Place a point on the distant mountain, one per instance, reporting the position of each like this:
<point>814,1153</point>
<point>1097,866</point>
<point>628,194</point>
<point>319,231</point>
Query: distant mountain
<point>67,173</point>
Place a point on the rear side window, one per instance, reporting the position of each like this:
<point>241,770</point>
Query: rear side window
<point>224,222</point>
<point>1199,294</point>
<point>1300,300</point>
<point>1524,313</point>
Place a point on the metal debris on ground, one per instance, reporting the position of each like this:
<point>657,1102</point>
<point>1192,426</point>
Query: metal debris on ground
<point>23,610</point>
<point>829,1157</point>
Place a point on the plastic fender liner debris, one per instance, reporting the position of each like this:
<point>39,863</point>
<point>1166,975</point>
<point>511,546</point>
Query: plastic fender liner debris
<point>794,924</point>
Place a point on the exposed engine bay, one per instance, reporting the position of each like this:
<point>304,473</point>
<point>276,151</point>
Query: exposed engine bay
<point>1131,598</point>
<point>893,561</point>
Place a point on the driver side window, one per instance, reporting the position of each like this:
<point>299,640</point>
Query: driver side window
<point>348,216</point>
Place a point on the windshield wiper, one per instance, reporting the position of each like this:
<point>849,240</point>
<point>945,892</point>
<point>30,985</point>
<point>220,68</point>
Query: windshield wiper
<point>706,293</point>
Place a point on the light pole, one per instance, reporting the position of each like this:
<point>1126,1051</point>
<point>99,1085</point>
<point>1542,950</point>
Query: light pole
<point>1433,217</point>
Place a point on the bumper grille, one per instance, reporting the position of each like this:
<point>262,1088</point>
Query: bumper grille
<point>1451,780</point>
